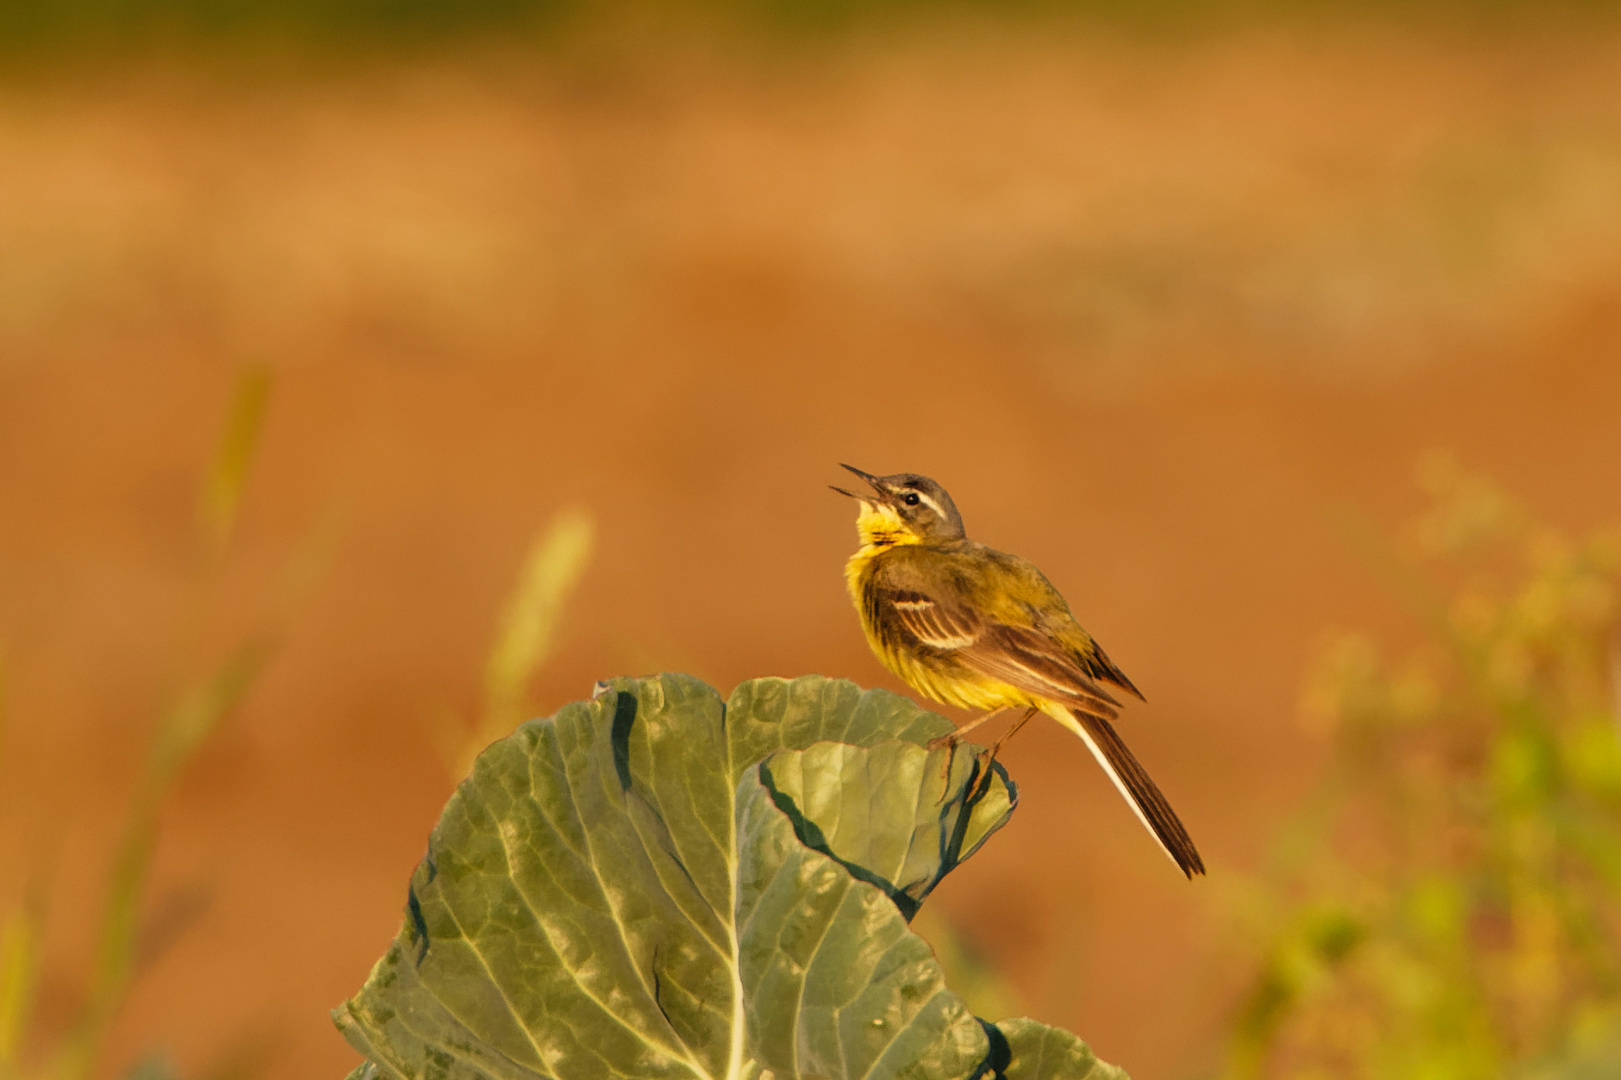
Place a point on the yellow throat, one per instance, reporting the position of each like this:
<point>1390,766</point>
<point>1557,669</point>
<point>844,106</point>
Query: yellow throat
<point>880,529</point>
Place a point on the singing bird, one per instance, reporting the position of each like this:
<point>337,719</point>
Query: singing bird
<point>977,628</point>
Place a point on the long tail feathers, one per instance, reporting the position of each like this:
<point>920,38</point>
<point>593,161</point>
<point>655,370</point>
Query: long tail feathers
<point>1141,793</point>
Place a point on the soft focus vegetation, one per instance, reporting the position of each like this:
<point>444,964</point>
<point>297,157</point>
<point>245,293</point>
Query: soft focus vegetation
<point>525,637</point>
<point>1450,909</point>
<point>133,927</point>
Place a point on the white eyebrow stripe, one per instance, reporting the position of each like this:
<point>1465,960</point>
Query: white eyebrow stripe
<point>932,504</point>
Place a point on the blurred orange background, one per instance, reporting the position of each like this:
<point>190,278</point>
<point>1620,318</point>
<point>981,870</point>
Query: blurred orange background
<point>1158,307</point>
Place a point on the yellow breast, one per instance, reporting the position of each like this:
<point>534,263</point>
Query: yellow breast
<point>935,676</point>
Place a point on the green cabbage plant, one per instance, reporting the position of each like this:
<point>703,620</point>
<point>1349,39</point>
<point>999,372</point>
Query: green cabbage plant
<point>661,885</point>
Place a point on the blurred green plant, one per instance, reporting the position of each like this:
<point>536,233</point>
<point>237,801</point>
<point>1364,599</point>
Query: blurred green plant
<point>228,472</point>
<point>1449,906</point>
<point>552,569</point>
<point>124,937</point>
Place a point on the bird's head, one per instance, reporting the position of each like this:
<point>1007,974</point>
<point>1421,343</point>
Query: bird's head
<point>904,509</point>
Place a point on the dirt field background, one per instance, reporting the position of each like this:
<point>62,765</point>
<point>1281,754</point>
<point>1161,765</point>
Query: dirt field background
<point>1156,311</point>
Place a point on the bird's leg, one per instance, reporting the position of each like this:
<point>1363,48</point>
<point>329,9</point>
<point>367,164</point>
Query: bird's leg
<point>1017,724</point>
<point>950,741</point>
<point>954,737</point>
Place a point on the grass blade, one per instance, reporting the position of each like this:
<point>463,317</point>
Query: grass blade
<point>228,473</point>
<point>196,714</point>
<point>556,560</point>
<point>20,936</point>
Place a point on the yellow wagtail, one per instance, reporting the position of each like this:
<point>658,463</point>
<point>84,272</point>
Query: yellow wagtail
<point>979,629</point>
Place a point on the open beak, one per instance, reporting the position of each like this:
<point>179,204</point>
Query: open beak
<point>869,478</point>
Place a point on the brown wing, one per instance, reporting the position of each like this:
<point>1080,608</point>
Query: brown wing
<point>1020,656</point>
<point>1100,667</point>
<point>938,627</point>
<point>1033,661</point>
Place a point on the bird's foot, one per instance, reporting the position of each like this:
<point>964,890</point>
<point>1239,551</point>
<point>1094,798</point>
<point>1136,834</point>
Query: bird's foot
<point>947,742</point>
<point>989,757</point>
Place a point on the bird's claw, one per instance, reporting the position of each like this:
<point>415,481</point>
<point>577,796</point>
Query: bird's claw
<point>987,758</point>
<point>949,743</point>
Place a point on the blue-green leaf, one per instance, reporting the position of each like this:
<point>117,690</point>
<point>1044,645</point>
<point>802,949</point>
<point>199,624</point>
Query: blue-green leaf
<point>655,885</point>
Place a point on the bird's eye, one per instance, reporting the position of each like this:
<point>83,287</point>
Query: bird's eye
<point>910,498</point>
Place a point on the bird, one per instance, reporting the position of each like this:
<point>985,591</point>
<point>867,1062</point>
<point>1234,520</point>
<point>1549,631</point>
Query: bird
<point>970,626</point>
